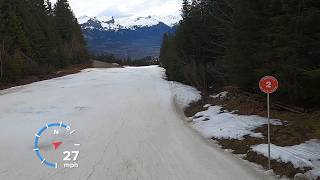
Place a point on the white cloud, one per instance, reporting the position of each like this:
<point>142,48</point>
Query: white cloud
<point>121,8</point>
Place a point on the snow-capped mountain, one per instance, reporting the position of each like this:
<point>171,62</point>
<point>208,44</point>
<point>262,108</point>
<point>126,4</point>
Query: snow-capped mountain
<point>132,23</point>
<point>134,37</point>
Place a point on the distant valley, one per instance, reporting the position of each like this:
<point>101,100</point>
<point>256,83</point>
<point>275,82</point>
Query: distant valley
<point>134,37</point>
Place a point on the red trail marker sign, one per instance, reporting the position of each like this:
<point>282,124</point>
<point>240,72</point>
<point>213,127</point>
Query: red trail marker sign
<point>268,85</point>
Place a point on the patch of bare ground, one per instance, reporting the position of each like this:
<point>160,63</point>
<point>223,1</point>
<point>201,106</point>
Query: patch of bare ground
<point>281,168</point>
<point>59,73</point>
<point>298,127</point>
<point>100,64</point>
<point>239,146</point>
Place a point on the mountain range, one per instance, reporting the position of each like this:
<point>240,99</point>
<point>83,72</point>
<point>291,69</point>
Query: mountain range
<point>134,37</point>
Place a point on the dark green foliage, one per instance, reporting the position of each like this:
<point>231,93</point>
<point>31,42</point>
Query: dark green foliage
<point>36,39</point>
<point>109,58</point>
<point>236,42</point>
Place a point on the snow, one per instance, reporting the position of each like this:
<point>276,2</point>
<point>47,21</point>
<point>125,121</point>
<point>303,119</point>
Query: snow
<point>90,27</point>
<point>104,18</point>
<point>169,20</point>
<point>225,125</point>
<point>303,155</point>
<point>220,95</point>
<point>126,124</point>
<point>218,123</point>
<point>315,173</point>
<point>185,95</point>
<point>132,22</point>
<point>110,26</point>
<point>83,19</point>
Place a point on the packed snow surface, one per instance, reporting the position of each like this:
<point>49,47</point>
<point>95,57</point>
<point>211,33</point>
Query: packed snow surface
<point>126,124</point>
<point>220,124</point>
<point>303,155</point>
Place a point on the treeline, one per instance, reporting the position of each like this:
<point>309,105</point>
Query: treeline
<point>110,58</point>
<point>236,42</point>
<point>37,38</point>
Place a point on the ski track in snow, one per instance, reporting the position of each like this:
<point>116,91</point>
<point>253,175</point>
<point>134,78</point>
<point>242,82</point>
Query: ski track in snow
<point>126,124</point>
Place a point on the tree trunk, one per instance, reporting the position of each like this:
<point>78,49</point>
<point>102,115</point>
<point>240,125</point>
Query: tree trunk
<point>1,60</point>
<point>1,67</point>
<point>2,56</point>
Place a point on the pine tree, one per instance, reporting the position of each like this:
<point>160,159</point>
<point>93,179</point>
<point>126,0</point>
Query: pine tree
<point>31,41</point>
<point>185,9</point>
<point>222,42</point>
<point>64,19</point>
<point>70,32</point>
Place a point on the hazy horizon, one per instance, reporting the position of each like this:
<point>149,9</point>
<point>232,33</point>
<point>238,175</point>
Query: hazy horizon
<point>125,8</point>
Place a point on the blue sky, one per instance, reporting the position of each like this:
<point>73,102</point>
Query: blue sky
<point>122,8</point>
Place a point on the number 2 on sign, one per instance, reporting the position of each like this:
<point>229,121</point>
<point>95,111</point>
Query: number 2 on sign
<point>269,84</point>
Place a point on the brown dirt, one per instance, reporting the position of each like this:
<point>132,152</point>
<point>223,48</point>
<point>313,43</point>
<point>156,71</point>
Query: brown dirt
<point>239,146</point>
<point>30,79</point>
<point>284,169</point>
<point>298,127</point>
<point>195,107</point>
<point>100,64</point>
<point>289,135</point>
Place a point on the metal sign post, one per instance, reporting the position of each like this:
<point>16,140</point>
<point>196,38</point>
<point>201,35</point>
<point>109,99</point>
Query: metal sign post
<point>268,85</point>
<point>269,141</point>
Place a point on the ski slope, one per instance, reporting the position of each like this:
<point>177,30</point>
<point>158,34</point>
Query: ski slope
<point>127,124</point>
